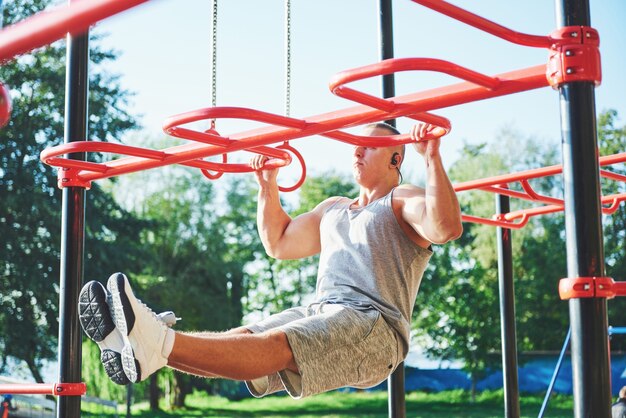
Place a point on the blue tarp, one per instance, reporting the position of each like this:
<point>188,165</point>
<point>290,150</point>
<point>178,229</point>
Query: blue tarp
<point>534,376</point>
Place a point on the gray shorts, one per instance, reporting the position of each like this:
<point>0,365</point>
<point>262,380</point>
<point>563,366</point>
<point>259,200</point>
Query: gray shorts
<point>333,346</point>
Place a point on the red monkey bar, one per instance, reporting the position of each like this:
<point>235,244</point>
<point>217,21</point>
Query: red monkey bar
<point>518,219</point>
<point>283,128</point>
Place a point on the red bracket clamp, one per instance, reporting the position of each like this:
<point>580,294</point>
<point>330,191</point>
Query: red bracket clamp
<point>574,56</point>
<point>590,287</point>
<point>70,389</point>
<point>68,177</point>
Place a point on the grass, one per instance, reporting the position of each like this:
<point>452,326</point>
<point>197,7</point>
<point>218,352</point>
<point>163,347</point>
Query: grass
<point>365,404</point>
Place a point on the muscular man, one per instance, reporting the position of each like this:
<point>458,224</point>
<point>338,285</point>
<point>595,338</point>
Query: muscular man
<point>373,251</point>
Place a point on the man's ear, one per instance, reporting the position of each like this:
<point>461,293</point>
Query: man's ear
<point>396,158</point>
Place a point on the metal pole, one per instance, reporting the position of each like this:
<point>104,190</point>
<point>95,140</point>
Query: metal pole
<point>585,252</point>
<point>555,374</point>
<point>73,225</point>
<point>395,382</point>
<point>385,39</point>
<point>507,314</point>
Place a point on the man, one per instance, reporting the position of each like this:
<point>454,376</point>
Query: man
<point>373,252</point>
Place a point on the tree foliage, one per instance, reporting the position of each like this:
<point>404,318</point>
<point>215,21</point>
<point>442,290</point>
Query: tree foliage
<point>456,316</point>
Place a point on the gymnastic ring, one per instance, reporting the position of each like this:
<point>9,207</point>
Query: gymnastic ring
<point>299,183</point>
<point>206,173</point>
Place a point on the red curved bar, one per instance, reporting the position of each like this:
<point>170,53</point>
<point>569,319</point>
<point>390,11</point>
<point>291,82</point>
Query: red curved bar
<point>518,218</point>
<point>337,84</point>
<point>486,25</point>
<point>172,127</point>
<point>5,105</point>
<point>48,26</point>
<point>395,65</point>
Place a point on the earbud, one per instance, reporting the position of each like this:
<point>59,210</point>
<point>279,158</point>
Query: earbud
<point>394,159</point>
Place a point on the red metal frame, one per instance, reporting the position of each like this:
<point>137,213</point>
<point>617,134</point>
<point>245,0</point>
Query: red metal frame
<point>281,128</point>
<point>519,218</point>
<point>56,389</point>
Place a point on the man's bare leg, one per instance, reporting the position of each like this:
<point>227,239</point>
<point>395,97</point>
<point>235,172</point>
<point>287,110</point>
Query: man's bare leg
<point>188,369</point>
<point>237,354</point>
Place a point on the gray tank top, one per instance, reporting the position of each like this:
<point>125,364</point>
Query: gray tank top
<point>367,261</point>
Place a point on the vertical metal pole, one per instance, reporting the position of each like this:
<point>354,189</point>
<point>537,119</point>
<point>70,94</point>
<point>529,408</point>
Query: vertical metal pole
<point>73,225</point>
<point>585,252</point>
<point>507,314</point>
<point>395,382</point>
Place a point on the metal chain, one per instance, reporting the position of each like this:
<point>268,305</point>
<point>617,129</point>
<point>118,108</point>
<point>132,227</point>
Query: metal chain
<point>287,57</point>
<point>214,60</point>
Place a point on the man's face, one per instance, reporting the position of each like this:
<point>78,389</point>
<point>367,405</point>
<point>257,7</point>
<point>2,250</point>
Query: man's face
<point>370,163</point>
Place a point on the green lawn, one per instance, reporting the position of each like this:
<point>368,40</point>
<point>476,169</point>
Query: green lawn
<point>367,405</point>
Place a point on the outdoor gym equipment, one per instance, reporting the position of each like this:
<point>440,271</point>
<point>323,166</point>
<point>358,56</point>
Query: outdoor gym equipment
<point>573,69</point>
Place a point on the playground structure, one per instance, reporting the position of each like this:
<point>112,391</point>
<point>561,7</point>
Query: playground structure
<point>573,69</point>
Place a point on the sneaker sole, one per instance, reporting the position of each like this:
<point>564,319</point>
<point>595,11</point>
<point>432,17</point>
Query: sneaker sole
<point>124,318</point>
<point>95,319</point>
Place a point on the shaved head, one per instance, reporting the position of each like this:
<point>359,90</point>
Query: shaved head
<point>391,130</point>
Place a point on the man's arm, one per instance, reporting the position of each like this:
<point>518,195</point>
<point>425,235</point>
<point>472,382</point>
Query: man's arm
<point>433,212</point>
<point>283,237</point>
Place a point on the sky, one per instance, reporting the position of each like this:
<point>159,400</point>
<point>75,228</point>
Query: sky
<point>165,51</point>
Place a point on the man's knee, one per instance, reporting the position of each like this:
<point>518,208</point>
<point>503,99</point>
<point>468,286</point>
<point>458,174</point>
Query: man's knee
<point>284,348</point>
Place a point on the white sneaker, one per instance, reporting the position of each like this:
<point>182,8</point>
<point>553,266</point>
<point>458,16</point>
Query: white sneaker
<point>95,319</point>
<point>147,341</point>
<point>97,323</point>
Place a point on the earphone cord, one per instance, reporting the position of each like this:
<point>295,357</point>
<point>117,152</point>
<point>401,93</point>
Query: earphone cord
<point>399,174</point>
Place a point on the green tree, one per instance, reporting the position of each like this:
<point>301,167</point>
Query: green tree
<point>31,203</point>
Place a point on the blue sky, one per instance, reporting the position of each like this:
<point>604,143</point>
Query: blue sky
<point>165,59</point>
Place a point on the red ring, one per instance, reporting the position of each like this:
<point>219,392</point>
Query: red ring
<point>206,173</point>
<point>302,164</point>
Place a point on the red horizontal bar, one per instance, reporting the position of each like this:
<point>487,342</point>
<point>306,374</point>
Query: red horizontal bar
<point>48,26</point>
<point>56,389</point>
<point>486,25</point>
<point>530,174</point>
<point>503,223</point>
<point>613,176</point>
